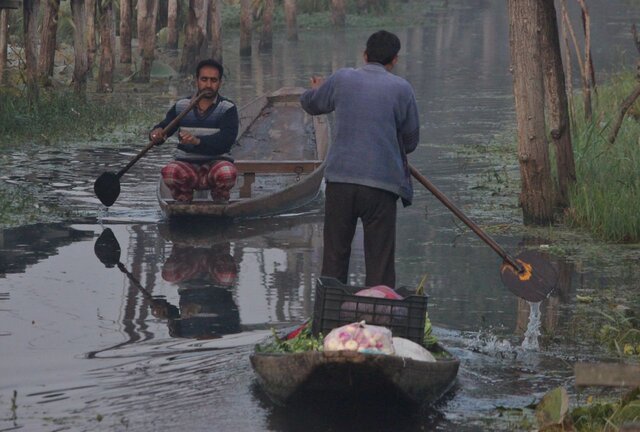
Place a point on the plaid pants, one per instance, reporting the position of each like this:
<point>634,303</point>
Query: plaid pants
<point>182,178</point>
<point>186,264</point>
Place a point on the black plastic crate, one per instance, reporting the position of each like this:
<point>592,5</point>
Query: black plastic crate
<point>336,305</point>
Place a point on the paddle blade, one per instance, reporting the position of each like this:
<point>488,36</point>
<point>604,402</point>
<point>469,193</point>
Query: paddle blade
<point>537,281</point>
<point>107,248</point>
<point>107,188</point>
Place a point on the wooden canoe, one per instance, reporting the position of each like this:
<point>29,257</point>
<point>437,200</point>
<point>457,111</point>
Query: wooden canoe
<point>286,377</point>
<point>279,155</point>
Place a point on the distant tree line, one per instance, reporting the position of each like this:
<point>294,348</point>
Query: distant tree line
<point>196,23</point>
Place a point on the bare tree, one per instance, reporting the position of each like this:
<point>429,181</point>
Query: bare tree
<point>338,13</point>
<point>81,65</point>
<point>48,40</point>
<point>629,100</point>
<point>215,18</point>
<point>246,18</point>
<point>290,14</point>
<point>92,46</point>
<point>147,13</point>
<point>30,32</point>
<point>194,36</point>
<point>125,34</point>
<point>172,24</point>
<point>556,101</point>
<point>4,38</point>
<point>266,36</point>
<point>536,197</point>
<point>107,45</point>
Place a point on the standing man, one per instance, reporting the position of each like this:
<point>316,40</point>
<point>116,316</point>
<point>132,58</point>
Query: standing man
<point>377,124</point>
<point>205,135</point>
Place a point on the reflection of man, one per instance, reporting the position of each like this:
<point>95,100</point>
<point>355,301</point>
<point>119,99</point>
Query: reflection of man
<point>206,133</point>
<point>204,276</point>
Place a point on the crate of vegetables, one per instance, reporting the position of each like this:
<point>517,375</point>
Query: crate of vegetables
<point>337,304</point>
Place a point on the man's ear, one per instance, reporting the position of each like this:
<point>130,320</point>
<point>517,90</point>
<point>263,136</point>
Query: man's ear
<point>365,56</point>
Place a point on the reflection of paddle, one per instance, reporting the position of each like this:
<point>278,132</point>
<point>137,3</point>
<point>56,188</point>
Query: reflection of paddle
<point>107,186</point>
<point>528,276</point>
<point>107,249</point>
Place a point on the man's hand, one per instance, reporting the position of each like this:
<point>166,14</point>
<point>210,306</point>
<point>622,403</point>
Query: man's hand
<point>187,138</point>
<point>157,136</point>
<point>316,81</point>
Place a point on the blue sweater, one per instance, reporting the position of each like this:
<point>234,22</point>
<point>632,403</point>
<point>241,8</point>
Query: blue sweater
<point>217,129</point>
<point>377,124</point>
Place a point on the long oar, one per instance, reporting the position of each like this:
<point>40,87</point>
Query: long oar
<point>107,186</point>
<point>528,276</point>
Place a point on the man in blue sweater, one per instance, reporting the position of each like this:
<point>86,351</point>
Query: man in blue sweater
<point>377,124</point>
<point>205,135</point>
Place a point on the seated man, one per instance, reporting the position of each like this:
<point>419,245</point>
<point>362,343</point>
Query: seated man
<point>205,134</point>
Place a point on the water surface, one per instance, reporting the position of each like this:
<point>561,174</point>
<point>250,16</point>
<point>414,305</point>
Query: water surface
<point>163,341</point>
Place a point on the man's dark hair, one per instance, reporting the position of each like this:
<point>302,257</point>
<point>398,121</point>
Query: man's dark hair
<point>211,63</point>
<point>382,47</point>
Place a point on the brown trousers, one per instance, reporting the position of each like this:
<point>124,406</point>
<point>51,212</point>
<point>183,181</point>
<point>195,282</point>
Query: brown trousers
<point>344,204</point>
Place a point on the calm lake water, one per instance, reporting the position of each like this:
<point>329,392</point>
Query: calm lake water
<point>90,347</point>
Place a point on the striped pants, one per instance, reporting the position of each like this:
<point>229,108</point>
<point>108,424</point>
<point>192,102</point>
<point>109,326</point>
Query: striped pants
<point>182,178</point>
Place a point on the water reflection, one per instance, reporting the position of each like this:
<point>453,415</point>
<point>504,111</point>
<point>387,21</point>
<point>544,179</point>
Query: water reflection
<point>203,277</point>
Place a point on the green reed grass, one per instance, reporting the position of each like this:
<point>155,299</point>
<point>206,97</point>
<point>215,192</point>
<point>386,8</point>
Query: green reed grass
<point>59,115</point>
<point>606,196</point>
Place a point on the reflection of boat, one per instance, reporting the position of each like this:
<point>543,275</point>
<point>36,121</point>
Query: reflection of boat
<point>202,233</point>
<point>285,377</point>
<point>279,156</point>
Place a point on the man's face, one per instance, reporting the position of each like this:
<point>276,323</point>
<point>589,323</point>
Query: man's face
<point>209,80</point>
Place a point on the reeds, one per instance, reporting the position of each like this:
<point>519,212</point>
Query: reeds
<point>606,197</point>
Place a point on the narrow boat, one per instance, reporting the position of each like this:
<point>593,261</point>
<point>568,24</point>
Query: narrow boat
<point>279,155</point>
<point>286,377</point>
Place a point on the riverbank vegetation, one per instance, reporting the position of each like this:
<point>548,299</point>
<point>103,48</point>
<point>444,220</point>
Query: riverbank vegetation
<point>606,197</point>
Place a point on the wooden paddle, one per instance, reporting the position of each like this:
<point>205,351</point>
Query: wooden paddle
<point>107,186</point>
<point>529,275</point>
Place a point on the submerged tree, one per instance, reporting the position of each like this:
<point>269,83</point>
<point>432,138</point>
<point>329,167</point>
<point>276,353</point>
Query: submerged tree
<point>147,14</point>
<point>195,35</point>
<point>30,31</point>
<point>559,124</point>
<point>536,197</point>
<point>215,19</point>
<point>48,40</point>
<point>125,34</point>
<point>107,45</point>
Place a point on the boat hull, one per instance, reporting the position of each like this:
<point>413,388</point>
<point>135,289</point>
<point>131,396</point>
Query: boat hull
<point>286,377</point>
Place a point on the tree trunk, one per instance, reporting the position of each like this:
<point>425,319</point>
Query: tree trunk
<point>215,12</point>
<point>290,14</point>
<point>266,37</point>
<point>172,24</point>
<point>80,66</point>
<point>4,37</point>
<point>146,38</point>
<point>556,101</point>
<point>338,11</point>
<point>125,34</point>
<point>48,41</point>
<point>107,46</point>
<point>194,37</point>
<point>30,34</point>
<point>537,195</point>
<point>90,6</point>
<point>246,18</point>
